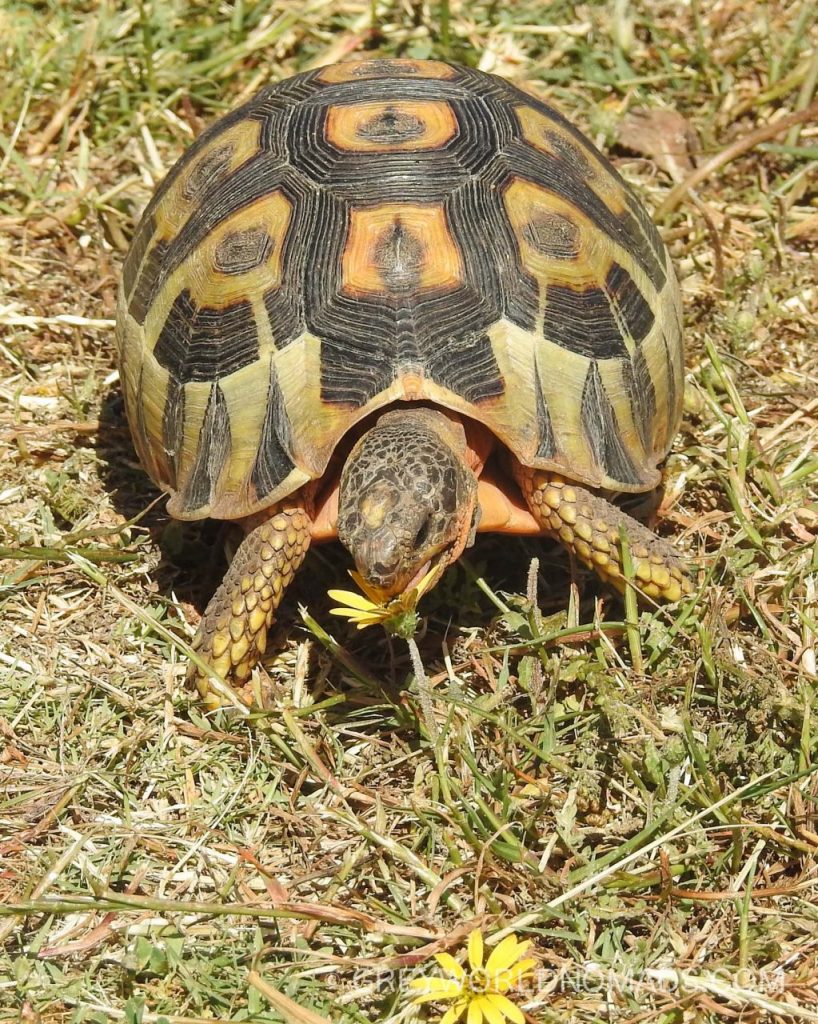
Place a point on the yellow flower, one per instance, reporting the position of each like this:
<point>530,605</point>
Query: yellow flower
<point>479,992</point>
<point>397,614</point>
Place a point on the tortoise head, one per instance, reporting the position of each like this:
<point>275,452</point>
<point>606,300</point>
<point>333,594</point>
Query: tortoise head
<point>408,498</point>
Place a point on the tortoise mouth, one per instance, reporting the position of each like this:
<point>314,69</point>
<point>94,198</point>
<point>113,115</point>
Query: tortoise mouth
<point>387,592</point>
<point>427,565</point>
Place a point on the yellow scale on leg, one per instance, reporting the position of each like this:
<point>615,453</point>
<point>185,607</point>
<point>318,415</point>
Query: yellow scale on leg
<point>589,526</point>
<point>233,632</point>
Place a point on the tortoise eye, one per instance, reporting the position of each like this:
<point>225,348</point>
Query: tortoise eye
<point>423,533</point>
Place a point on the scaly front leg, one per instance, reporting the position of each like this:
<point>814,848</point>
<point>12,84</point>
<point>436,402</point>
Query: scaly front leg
<point>233,632</point>
<point>590,526</point>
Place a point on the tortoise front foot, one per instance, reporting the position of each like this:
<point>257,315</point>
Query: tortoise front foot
<point>232,635</point>
<point>590,526</point>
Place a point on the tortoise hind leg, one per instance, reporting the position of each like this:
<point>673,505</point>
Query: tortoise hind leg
<point>590,526</point>
<point>232,634</point>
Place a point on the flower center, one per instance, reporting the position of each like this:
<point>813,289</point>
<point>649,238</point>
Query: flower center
<point>479,981</point>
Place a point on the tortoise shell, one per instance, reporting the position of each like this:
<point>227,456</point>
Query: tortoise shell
<point>393,231</point>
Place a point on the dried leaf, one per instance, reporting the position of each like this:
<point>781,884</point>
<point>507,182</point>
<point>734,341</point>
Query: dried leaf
<point>662,135</point>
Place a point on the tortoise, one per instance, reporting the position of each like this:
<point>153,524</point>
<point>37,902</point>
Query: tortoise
<point>397,302</point>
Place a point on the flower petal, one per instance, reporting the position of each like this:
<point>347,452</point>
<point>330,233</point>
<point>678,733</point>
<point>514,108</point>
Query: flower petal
<point>349,597</point>
<point>505,980</point>
<point>350,613</point>
<point>475,1014</point>
<point>361,619</point>
<point>375,594</point>
<point>454,1012</point>
<point>448,963</point>
<point>476,950</point>
<point>504,1006</point>
<point>426,583</point>
<point>509,950</point>
<point>490,1011</point>
<point>432,989</point>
